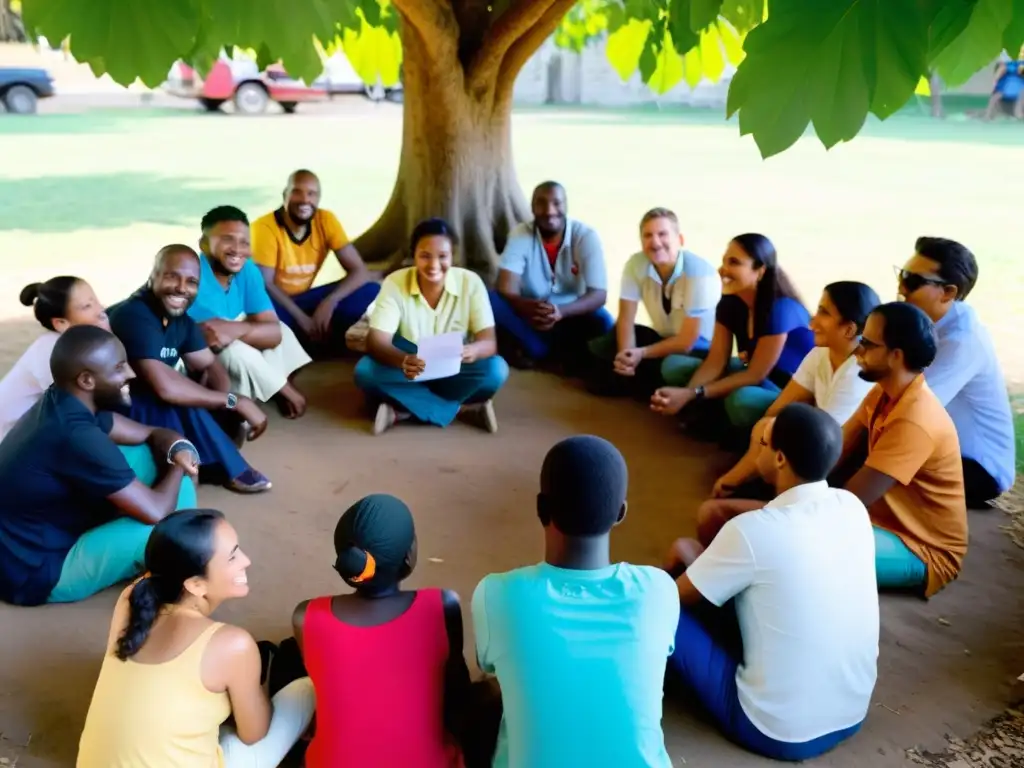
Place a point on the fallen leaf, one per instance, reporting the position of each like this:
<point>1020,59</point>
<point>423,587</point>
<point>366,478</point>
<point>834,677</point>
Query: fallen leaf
<point>944,622</point>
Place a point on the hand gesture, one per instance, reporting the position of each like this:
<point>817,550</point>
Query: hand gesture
<point>216,334</point>
<point>723,488</point>
<point>627,361</point>
<point>668,401</point>
<point>322,318</point>
<point>188,460</point>
<point>469,353</point>
<point>253,415</point>
<point>412,366</point>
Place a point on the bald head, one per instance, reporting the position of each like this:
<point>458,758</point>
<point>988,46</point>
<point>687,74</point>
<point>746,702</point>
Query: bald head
<point>549,209</point>
<point>302,196</point>
<point>172,253</point>
<point>175,278</point>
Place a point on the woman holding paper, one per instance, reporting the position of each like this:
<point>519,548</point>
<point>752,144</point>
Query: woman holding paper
<point>432,349</point>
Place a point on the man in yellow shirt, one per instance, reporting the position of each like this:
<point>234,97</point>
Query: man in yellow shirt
<point>290,246</point>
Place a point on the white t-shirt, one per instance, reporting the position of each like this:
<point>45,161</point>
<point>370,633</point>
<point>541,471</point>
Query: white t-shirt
<point>838,393</point>
<point>692,290</point>
<point>807,610</point>
<point>25,383</point>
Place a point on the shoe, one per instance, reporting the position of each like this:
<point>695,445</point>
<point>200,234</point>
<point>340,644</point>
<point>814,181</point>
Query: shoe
<point>482,415</point>
<point>250,481</point>
<point>385,419</point>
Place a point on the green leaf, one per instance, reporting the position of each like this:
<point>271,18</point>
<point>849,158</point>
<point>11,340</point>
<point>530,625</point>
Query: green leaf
<point>626,46</point>
<point>1013,35</point>
<point>744,15</point>
<point>126,39</point>
<point>371,12</point>
<point>683,37</point>
<point>669,69</point>
<point>946,23</point>
<point>978,44</point>
<point>643,10</point>
<point>649,57</point>
<point>827,63</point>
<point>374,53</point>
<point>703,13</point>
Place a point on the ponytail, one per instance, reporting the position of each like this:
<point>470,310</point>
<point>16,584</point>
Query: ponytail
<point>144,605</point>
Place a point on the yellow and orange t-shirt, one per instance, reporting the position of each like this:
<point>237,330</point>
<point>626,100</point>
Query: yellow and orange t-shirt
<point>295,262</point>
<point>915,443</point>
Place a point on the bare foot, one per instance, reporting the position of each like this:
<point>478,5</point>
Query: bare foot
<point>291,402</point>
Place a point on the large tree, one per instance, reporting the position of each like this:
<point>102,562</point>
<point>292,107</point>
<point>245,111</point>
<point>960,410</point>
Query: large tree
<point>11,29</point>
<point>825,63</point>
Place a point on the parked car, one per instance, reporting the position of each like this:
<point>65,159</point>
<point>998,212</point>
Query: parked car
<point>21,89</point>
<point>240,81</point>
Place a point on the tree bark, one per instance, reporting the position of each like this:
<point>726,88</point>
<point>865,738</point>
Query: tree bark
<point>11,28</point>
<point>456,157</point>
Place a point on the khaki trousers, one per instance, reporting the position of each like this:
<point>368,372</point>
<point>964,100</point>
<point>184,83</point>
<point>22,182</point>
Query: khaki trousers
<point>261,374</point>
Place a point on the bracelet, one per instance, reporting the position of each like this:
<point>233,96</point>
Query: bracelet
<point>180,445</point>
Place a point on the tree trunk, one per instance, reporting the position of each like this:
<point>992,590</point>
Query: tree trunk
<point>11,28</point>
<point>935,87</point>
<point>456,158</point>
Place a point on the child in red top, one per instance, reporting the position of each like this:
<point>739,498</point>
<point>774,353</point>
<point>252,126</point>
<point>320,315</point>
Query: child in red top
<point>387,665</point>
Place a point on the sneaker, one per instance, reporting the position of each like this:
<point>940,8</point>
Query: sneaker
<point>482,415</point>
<point>385,419</point>
<point>250,481</point>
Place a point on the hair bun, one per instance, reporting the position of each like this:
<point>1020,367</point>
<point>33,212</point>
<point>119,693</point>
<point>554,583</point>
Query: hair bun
<point>30,293</point>
<point>351,562</point>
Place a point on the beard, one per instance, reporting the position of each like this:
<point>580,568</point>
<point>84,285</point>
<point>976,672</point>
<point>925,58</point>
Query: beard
<point>872,376</point>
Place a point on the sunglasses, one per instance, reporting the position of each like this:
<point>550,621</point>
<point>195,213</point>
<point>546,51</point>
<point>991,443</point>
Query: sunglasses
<point>912,281</point>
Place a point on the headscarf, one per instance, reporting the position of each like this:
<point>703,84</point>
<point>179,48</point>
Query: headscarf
<point>372,540</point>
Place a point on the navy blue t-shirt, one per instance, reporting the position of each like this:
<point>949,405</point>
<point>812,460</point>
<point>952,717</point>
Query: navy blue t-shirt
<point>58,465</point>
<point>788,316</point>
<point>148,333</point>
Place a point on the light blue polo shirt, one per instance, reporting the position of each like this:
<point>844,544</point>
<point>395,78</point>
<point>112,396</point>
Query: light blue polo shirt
<point>245,295</point>
<point>692,290</point>
<point>579,266</point>
<point>968,380</point>
<point>580,657</point>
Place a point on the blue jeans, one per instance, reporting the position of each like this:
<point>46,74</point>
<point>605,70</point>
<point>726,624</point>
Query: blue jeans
<point>708,670</point>
<point>217,452</point>
<point>566,342</point>
<point>346,314</point>
<point>431,402</point>
<point>896,567</point>
<point>115,551</point>
<point>744,407</point>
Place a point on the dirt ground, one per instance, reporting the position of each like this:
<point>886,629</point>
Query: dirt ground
<point>947,666</point>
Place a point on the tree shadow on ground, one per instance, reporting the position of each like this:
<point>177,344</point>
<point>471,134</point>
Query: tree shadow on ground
<point>111,201</point>
<point>94,121</point>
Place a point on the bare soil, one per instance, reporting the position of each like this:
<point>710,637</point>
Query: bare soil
<point>946,668</point>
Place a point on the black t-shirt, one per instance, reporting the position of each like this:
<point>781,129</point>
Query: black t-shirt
<point>58,465</point>
<point>148,333</point>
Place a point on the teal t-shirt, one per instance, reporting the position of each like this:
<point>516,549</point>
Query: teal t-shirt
<point>580,657</point>
<point>245,295</point>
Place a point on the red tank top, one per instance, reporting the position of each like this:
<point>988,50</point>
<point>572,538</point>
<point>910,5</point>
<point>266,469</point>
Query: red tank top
<point>379,690</point>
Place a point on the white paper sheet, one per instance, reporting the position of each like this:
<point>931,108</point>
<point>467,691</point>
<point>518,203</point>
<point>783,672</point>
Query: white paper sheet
<point>442,354</point>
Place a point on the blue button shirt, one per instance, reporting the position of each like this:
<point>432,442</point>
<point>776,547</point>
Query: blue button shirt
<point>580,657</point>
<point>245,295</point>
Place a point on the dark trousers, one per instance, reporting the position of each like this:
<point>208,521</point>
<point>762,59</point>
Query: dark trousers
<point>348,312</point>
<point>218,455</point>
<point>566,343</point>
<point>601,378</point>
<point>979,486</point>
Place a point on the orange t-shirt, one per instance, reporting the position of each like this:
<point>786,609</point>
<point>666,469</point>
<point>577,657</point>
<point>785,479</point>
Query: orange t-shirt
<point>916,444</point>
<point>296,262</point>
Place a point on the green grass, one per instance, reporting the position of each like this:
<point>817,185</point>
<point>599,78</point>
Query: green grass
<point>97,194</point>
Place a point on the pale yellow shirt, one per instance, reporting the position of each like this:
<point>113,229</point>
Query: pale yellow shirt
<point>401,308</point>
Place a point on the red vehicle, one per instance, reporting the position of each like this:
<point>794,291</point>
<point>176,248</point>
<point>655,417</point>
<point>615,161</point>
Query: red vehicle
<point>241,82</point>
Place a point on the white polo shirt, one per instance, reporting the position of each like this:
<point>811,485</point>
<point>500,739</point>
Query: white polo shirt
<point>840,392</point>
<point>692,290</point>
<point>579,266</point>
<point>968,380</point>
<point>802,571</point>
<point>26,382</point>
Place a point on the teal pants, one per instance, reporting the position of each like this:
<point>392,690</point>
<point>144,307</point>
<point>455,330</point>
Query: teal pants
<point>896,567</point>
<point>434,402</point>
<point>744,407</point>
<point>115,551</point>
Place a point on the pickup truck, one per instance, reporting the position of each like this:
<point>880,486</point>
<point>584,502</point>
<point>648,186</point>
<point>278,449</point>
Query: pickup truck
<point>21,89</point>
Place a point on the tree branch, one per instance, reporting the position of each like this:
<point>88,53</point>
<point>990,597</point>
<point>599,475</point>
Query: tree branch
<point>433,19</point>
<point>506,32</point>
<point>527,44</point>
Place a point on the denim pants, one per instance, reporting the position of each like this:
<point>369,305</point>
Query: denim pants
<point>744,407</point>
<point>896,567</point>
<point>348,312</point>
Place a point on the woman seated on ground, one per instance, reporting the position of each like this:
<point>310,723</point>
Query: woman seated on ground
<point>391,681</point>
<point>828,378</point>
<point>58,304</point>
<point>430,299</point>
<point>761,311</point>
<point>172,676</point>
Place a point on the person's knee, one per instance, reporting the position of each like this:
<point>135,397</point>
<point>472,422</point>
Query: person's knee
<point>496,373</point>
<point>241,357</point>
<point>711,516</point>
<point>677,370</point>
<point>366,373</point>
<point>747,405</point>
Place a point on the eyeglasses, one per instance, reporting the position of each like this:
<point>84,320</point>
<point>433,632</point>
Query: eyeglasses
<point>911,281</point>
<point>868,344</point>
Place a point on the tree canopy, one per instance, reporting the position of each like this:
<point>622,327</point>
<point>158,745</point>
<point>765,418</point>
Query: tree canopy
<point>827,63</point>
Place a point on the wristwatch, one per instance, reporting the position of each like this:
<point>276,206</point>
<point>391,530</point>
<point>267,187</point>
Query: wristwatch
<point>698,393</point>
<point>232,401</point>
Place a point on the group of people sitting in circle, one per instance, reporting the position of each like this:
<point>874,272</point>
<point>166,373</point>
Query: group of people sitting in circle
<point>877,424</point>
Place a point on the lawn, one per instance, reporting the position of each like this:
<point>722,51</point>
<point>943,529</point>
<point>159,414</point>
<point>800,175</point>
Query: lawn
<point>98,193</point>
